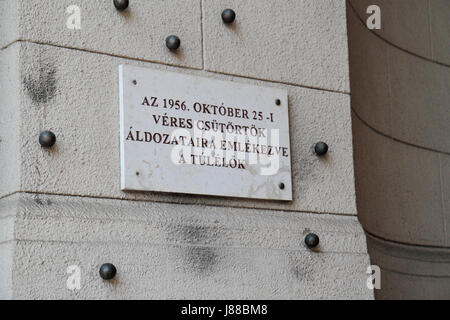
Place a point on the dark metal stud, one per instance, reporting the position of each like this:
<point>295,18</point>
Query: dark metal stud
<point>278,102</point>
<point>312,240</point>
<point>173,42</point>
<point>107,271</point>
<point>228,16</point>
<point>47,139</point>
<point>121,4</point>
<point>281,186</point>
<point>321,148</point>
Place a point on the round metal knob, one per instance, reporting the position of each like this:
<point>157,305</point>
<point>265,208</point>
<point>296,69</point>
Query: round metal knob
<point>228,16</point>
<point>107,271</point>
<point>321,148</point>
<point>312,240</point>
<point>281,186</point>
<point>173,42</point>
<point>47,139</point>
<point>121,4</point>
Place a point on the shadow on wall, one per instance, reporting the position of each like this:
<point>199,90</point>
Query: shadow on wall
<point>399,79</point>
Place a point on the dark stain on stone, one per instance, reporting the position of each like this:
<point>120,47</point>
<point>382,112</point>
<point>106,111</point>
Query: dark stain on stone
<point>197,234</point>
<point>202,260</point>
<point>41,85</point>
<point>42,202</point>
<point>300,268</point>
<point>38,200</point>
<point>199,256</point>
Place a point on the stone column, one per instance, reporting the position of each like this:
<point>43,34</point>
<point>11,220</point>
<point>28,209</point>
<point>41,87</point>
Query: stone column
<point>400,79</point>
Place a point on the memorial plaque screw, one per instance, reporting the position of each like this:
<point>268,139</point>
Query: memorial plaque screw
<point>321,148</point>
<point>107,271</point>
<point>281,186</point>
<point>134,82</point>
<point>47,139</point>
<point>121,4</point>
<point>312,240</point>
<point>228,16</point>
<point>278,102</point>
<point>173,42</point>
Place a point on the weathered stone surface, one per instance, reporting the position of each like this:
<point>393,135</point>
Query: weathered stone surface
<point>138,32</point>
<point>82,109</point>
<point>183,251</point>
<point>9,21</point>
<point>9,121</point>
<point>301,42</point>
<point>63,206</point>
<point>8,211</point>
<point>6,269</point>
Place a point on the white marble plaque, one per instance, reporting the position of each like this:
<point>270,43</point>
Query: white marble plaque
<point>196,135</point>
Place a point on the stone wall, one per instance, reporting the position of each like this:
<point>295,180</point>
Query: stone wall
<point>63,206</point>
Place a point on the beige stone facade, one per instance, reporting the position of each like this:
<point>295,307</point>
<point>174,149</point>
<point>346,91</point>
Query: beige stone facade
<point>63,206</point>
